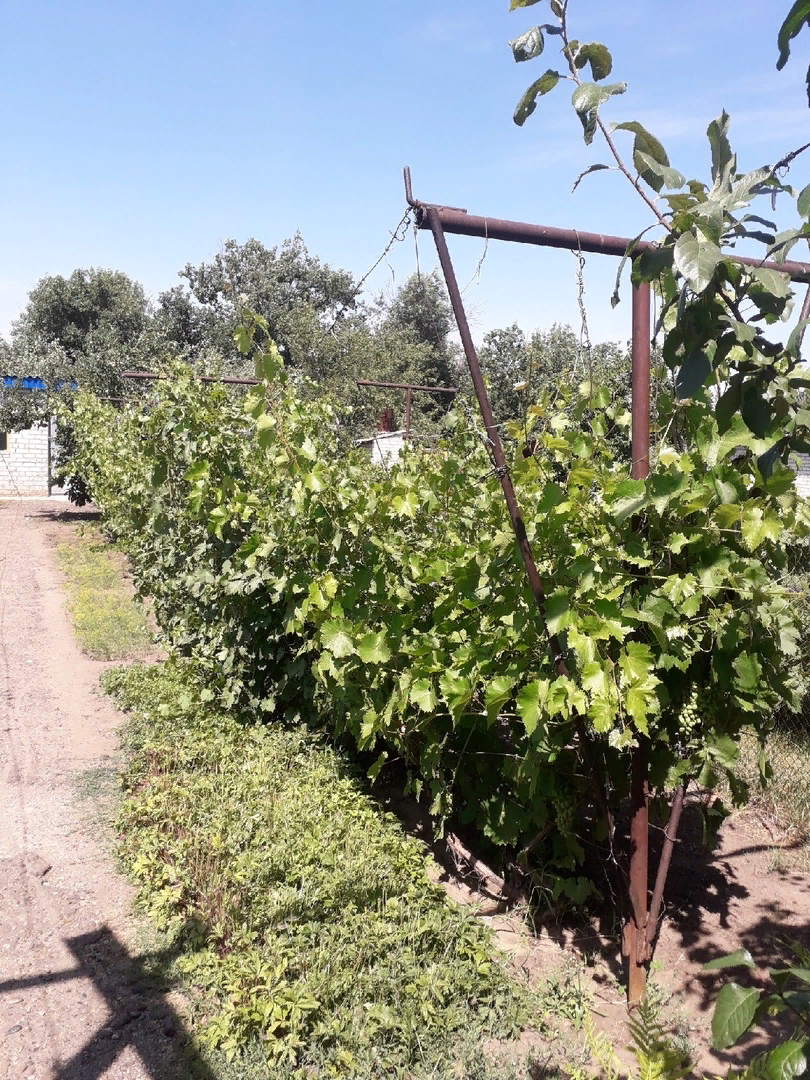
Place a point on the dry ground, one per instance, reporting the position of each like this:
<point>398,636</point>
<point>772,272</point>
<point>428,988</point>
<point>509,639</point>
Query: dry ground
<point>77,999</point>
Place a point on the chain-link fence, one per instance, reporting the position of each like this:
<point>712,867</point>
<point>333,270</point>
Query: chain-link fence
<point>786,798</point>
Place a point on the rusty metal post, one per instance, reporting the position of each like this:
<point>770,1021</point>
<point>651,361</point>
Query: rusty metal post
<point>641,381</point>
<point>670,834</point>
<point>408,400</point>
<point>502,469</point>
<point>493,438</point>
<point>636,929</point>
<point>642,925</point>
<point>461,223</point>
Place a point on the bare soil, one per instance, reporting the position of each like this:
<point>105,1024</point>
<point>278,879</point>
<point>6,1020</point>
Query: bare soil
<point>80,1000</point>
<point>742,894</point>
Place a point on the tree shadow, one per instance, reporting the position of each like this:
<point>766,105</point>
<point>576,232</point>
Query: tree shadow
<point>66,515</point>
<point>134,990</point>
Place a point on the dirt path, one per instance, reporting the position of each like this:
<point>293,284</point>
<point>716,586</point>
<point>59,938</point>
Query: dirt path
<point>76,1000</point>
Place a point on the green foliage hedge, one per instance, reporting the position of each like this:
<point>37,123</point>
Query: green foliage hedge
<point>391,605</point>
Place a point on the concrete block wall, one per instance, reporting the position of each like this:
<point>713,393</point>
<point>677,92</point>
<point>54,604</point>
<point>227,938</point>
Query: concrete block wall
<point>25,464</point>
<point>801,463</point>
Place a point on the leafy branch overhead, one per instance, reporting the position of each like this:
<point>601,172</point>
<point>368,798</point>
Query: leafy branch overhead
<point>714,313</point>
<point>798,17</point>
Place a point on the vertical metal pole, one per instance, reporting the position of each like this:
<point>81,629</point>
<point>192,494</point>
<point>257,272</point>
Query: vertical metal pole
<point>408,399</point>
<point>636,930</point>
<point>641,381</point>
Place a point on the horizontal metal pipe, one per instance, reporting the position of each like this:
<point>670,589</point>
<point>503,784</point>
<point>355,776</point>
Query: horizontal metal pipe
<point>408,386</point>
<point>463,224</point>
<point>145,375</point>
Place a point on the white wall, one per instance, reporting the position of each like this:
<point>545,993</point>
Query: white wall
<point>387,447</point>
<point>801,463</point>
<point>24,466</point>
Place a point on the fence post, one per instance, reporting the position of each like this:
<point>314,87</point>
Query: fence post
<point>636,927</point>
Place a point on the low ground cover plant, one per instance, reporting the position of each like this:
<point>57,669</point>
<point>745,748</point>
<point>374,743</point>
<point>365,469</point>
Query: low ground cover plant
<point>309,926</point>
<point>107,622</point>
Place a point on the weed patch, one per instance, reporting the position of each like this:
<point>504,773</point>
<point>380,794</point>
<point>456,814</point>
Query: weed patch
<point>309,927</point>
<point>109,624</point>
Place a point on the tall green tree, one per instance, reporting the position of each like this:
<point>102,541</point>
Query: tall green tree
<point>299,295</point>
<point>81,330</point>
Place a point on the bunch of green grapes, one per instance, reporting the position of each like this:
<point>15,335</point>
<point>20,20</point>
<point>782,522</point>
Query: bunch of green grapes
<point>565,804</point>
<point>702,704</point>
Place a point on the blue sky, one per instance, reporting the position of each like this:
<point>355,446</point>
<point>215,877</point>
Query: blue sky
<point>141,136</point>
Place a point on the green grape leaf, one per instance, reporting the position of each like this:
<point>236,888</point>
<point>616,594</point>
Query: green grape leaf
<point>636,661</point>
<point>498,692</point>
<point>423,695</point>
<point>630,496</point>
<point>456,691</point>
<point>558,612</point>
<point>530,703</point>
<point>749,671</point>
<point>638,700</point>
<point>372,648</point>
<point>269,363</point>
<point>336,637</point>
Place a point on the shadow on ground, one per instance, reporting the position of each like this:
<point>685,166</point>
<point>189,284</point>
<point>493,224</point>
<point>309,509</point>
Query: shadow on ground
<point>134,989</point>
<point>66,513</point>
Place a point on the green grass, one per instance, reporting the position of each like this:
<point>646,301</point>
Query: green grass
<point>308,931</point>
<point>108,622</point>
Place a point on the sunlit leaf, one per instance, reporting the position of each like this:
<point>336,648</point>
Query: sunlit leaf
<point>733,1014</point>
<point>587,100</point>
<point>696,257</point>
<point>528,45</point>
<point>742,957</point>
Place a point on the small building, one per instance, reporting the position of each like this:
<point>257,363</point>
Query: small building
<point>25,456</point>
<point>385,445</point>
